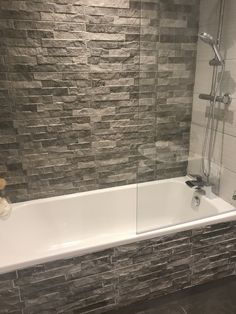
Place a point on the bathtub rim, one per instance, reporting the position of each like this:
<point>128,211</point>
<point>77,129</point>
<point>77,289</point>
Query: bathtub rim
<point>129,239</point>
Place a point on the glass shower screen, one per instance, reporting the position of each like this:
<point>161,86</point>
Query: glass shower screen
<point>168,50</point>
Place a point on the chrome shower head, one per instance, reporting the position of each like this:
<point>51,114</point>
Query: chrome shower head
<point>208,39</point>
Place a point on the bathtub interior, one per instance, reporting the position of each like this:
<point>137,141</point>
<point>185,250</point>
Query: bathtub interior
<point>44,229</point>
<point>169,202</point>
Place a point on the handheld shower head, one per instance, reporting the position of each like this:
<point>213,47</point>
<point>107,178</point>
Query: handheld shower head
<point>208,39</point>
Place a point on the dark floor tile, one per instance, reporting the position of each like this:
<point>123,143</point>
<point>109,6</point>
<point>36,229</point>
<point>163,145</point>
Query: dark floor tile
<point>168,309</point>
<point>218,297</point>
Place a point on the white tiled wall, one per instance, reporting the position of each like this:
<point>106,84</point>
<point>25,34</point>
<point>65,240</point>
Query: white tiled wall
<point>224,159</point>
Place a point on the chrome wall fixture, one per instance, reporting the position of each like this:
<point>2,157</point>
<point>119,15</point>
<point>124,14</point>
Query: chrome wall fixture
<point>215,62</point>
<point>214,97</point>
<point>208,39</point>
<point>226,99</point>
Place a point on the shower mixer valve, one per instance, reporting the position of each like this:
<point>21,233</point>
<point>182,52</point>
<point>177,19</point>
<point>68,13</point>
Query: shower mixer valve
<point>226,99</point>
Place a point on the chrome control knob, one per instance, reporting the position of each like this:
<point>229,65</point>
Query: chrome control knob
<point>227,99</point>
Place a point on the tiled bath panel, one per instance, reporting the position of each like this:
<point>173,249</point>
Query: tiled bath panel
<point>88,87</point>
<point>106,280</point>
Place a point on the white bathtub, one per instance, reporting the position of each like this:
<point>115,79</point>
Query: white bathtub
<point>61,227</point>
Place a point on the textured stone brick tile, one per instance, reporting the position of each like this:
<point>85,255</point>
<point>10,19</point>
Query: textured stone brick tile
<point>10,300</point>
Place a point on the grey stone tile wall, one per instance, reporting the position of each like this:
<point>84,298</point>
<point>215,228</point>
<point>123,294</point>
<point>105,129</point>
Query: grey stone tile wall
<point>88,87</point>
<point>168,91</point>
<point>176,75</point>
<point>98,282</point>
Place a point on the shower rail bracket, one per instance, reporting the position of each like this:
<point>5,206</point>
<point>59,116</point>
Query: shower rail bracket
<point>234,196</point>
<point>215,62</point>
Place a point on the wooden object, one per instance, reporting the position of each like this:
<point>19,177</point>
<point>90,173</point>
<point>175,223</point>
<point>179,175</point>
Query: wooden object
<point>3,183</point>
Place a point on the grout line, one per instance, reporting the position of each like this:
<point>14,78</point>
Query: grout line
<point>182,308</point>
<point>204,127</point>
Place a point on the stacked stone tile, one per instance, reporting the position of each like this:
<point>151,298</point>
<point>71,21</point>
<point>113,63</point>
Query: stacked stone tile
<point>176,72</point>
<point>88,87</point>
<point>98,282</point>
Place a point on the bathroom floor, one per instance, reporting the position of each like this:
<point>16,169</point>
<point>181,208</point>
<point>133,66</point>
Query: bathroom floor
<point>218,297</point>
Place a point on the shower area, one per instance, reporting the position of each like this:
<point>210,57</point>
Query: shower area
<point>117,151</point>
<point>194,110</point>
<point>194,104</point>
